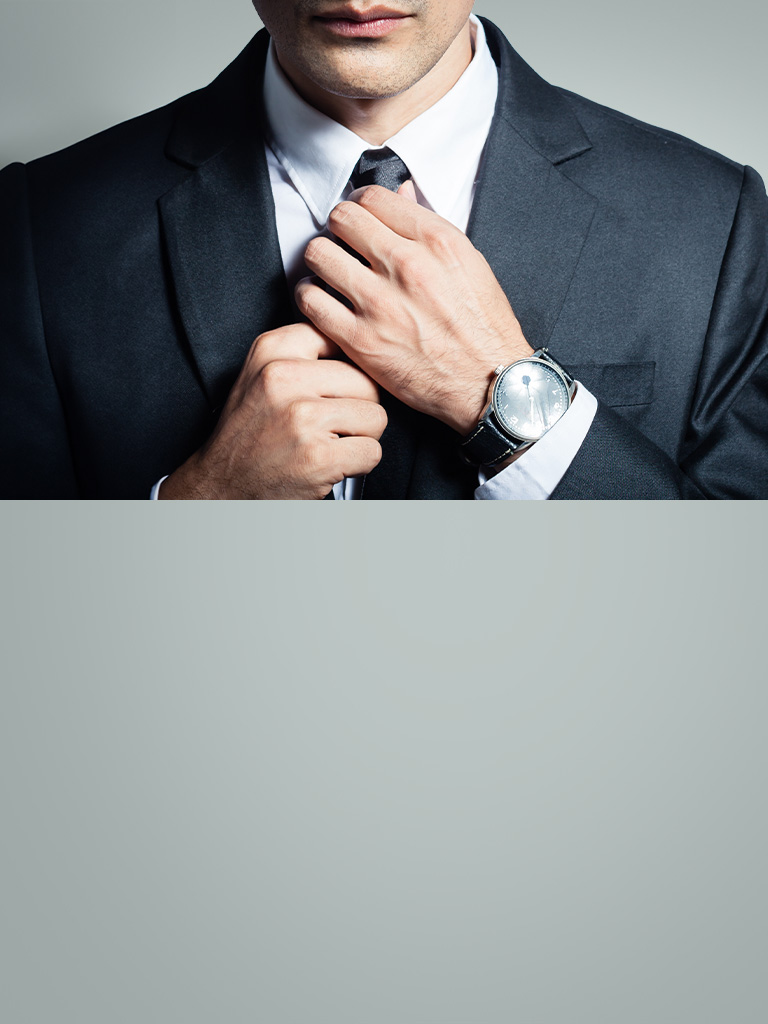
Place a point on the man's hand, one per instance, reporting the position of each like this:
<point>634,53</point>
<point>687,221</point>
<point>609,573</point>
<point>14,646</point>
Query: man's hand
<point>429,322</point>
<point>296,422</point>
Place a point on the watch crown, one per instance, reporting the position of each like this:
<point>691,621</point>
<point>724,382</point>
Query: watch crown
<point>498,370</point>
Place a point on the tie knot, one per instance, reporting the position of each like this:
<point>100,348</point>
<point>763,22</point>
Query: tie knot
<point>380,167</point>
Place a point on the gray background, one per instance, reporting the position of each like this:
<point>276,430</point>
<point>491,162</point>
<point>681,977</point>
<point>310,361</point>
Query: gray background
<point>69,68</point>
<point>428,764</point>
<point>365,764</point>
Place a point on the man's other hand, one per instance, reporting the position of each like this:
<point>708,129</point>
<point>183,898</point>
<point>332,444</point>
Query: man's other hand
<point>429,321</point>
<point>296,422</point>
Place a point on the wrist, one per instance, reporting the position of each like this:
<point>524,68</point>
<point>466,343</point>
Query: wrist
<point>188,483</point>
<point>527,399</point>
<point>466,415</point>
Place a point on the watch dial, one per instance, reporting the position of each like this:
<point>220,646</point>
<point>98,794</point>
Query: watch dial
<point>529,398</point>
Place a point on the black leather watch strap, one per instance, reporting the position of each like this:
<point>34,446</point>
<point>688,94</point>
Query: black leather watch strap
<point>487,446</point>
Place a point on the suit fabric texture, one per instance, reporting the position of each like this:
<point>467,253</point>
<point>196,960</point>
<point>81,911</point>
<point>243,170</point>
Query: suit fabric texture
<point>138,267</point>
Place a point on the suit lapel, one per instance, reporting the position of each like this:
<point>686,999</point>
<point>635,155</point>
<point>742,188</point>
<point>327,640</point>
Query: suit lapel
<point>529,221</point>
<point>219,225</point>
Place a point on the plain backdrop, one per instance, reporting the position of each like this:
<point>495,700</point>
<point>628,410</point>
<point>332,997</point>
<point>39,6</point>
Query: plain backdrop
<point>69,68</point>
<point>382,763</point>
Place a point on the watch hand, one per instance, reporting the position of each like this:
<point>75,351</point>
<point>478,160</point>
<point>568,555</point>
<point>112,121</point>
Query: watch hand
<point>527,382</point>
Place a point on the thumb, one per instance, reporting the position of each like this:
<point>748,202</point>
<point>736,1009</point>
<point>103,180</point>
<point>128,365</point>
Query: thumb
<point>408,189</point>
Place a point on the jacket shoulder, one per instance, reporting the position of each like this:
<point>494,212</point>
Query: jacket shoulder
<point>146,155</point>
<point>663,183</point>
<point>126,154</point>
<point>610,129</point>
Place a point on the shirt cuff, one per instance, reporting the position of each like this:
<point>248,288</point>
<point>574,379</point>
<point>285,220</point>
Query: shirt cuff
<point>156,489</point>
<point>349,489</point>
<point>535,475</point>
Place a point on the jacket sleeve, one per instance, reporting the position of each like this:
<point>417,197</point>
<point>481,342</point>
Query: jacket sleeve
<point>35,456</point>
<point>725,453</point>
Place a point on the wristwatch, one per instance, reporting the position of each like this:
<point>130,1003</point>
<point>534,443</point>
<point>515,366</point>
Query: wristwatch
<point>527,398</point>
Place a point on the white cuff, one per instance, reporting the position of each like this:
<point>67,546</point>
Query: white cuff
<point>349,489</point>
<point>535,475</point>
<point>156,489</point>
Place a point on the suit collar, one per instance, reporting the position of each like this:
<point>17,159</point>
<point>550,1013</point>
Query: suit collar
<point>319,155</point>
<point>529,220</point>
<point>219,224</point>
<point>208,120</point>
<point>533,108</point>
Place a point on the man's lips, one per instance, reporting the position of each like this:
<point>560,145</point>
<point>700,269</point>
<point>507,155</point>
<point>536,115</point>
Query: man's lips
<point>370,24</point>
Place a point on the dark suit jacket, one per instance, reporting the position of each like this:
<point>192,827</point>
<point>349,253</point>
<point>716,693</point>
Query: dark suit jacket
<point>139,266</point>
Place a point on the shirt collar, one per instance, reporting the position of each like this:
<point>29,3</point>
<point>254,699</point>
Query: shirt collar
<point>319,154</point>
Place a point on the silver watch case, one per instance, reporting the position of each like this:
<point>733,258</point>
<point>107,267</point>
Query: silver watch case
<point>515,414</point>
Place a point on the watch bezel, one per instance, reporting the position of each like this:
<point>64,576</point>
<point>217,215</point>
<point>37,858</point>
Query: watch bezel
<point>497,387</point>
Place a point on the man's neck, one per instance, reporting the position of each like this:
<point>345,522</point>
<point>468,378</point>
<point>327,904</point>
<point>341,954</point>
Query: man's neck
<point>377,120</point>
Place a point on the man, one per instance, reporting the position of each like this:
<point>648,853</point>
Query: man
<point>144,263</point>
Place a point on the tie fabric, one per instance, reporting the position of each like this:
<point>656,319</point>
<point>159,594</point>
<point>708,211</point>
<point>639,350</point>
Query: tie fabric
<point>380,167</point>
<point>390,478</point>
<point>375,167</point>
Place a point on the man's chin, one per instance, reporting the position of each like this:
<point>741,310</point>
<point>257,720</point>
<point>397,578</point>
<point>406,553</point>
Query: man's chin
<point>359,83</point>
<point>358,91</point>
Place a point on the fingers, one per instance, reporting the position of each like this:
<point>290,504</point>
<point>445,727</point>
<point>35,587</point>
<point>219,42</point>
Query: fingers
<point>393,209</point>
<point>326,313</point>
<point>295,341</point>
<point>297,420</point>
<point>332,264</point>
<point>364,232</point>
<point>349,418</point>
<point>353,456</point>
<point>327,378</point>
<point>381,226</point>
<point>335,379</point>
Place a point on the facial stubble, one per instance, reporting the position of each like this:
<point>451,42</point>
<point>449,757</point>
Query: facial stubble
<point>363,68</point>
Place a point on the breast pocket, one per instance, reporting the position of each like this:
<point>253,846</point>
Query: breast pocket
<point>616,384</point>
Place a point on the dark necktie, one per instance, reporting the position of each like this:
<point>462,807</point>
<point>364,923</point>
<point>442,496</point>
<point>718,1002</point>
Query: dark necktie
<point>375,167</point>
<point>390,478</point>
<point>380,167</point>
<point>385,168</point>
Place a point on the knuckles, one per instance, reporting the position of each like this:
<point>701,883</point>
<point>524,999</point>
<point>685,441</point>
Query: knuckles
<point>412,269</point>
<point>260,346</point>
<point>371,452</point>
<point>307,299</point>
<point>443,241</point>
<point>301,294</point>
<point>313,254</point>
<point>263,348</point>
<point>277,376</point>
<point>341,214</point>
<point>302,417</point>
<point>370,198</point>
<point>381,412</point>
<point>316,464</point>
<point>268,346</point>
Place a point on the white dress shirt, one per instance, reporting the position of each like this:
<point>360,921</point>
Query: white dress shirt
<point>311,158</point>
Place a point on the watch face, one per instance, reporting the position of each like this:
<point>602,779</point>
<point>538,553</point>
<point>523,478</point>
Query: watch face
<point>529,398</point>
